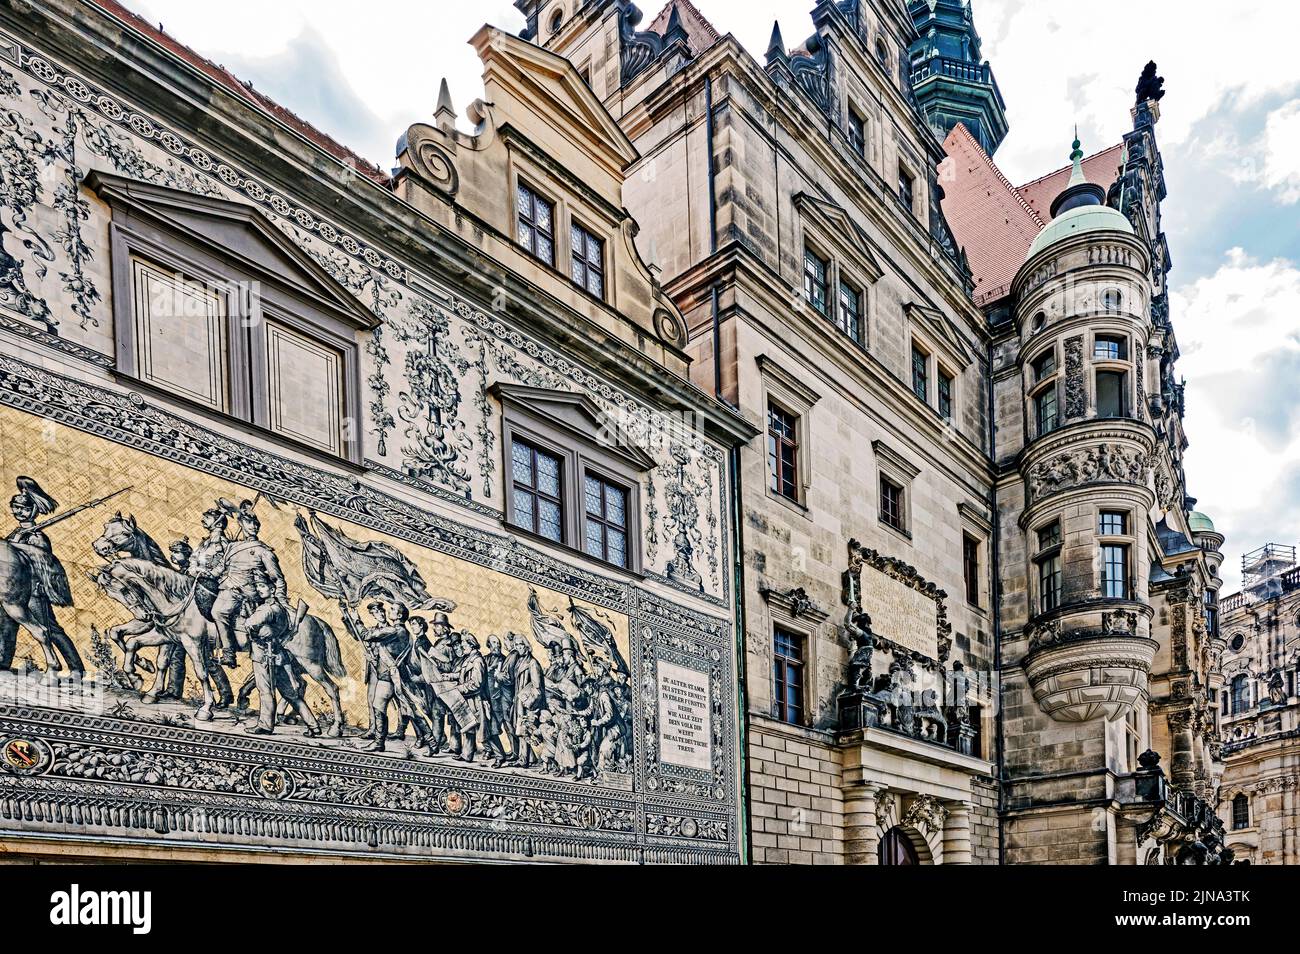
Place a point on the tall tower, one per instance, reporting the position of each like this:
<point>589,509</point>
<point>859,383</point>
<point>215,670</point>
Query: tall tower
<point>1077,672</point>
<point>952,81</point>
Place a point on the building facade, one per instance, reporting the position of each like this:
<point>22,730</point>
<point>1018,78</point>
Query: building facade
<point>1259,708</point>
<point>347,520</point>
<point>973,612</point>
<point>706,459</point>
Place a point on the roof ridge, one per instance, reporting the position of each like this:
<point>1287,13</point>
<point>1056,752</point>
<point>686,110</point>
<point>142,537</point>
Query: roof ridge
<point>242,88</point>
<point>1024,203</point>
<point>1057,172</point>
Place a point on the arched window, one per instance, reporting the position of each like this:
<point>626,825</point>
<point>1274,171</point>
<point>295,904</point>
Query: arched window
<point>557,18</point>
<point>1240,811</point>
<point>1240,694</point>
<point>882,53</point>
<point>1111,300</point>
<point>897,849</point>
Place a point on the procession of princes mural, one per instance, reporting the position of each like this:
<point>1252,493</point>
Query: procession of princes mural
<point>555,700</point>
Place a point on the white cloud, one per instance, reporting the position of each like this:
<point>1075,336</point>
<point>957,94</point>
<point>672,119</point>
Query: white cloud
<point>1239,333</point>
<point>1282,151</point>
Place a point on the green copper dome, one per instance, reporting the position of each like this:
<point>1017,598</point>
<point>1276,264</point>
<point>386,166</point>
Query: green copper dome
<point>1079,208</point>
<point>1198,522</point>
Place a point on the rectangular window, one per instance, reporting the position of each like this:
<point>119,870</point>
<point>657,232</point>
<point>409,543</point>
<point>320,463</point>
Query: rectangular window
<point>814,280</point>
<point>1045,410</point>
<point>1049,582</point>
<point>1132,738</point>
<point>304,386</point>
<point>857,133</point>
<point>1111,387</point>
<point>1044,366</point>
<point>181,335</point>
<point>606,523</point>
<point>1113,523</point>
<point>1109,348</point>
<point>536,224</point>
<point>587,260</point>
<point>783,451</point>
<point>1240,812</point>
<point>538,495</point>
<point>944,381</point>
<point>1049,536</point>
<point>970,560</point>
<point>787,676</point>
<point>891,504</point>
<point>850,317</point>
<point>920,373</point>
<point>906,189</point>
<point>1114,571</point>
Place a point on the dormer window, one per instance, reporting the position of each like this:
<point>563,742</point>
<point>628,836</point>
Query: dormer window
<point>536,224</point>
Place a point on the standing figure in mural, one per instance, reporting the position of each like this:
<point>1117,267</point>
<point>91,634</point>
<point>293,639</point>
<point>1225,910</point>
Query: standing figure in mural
<point>267,628</point>
<point>501,698</point>
<point>33,581</point>
<point>529,699</point>
<point>388,646</point>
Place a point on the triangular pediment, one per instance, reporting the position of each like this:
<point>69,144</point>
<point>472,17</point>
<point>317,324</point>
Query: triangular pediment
<point>576,414</point>
<point>240,232</point>
<point>837,227</point>
<point>940,328</point>
<point>552,86</point>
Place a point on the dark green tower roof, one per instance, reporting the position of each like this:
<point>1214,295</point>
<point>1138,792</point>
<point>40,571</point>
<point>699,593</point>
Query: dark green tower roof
<point>952,81</point>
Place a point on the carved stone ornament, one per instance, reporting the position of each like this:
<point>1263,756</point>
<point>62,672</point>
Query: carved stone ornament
<point>905,573</point>
<point>926,814</point>
<point>1103,463</point>
<point>1119,622</point>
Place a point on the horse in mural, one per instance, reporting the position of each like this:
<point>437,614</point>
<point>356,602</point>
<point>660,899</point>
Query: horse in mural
<point>313,647</point>
<point>167,597</point>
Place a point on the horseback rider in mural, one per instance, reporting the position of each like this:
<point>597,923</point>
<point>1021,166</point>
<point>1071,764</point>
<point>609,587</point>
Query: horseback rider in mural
<point>33,581</point>
<point>233,563</point>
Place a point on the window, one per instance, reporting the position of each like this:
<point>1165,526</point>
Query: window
<point>587,264</point>
<point>1132,738</point>
<point>906,190</point>
<point>1109,348</point>
<point>850,316</point>
<point>1111,300</point>
<point>920,373</point>
<point>1114,572</point>
<point>1113,523</point>
<point>1111,387</point>
<point>538,490</point>
<point>536,230</point>
<point>1044,366</point>
<point>1046,417</point>
<point>1049,567</point>
<point>970,561</point>
<point>573,478</point>
<point>1211,599</point>
<point>891,504</point>
<point>814,280</point>
<point>857,133</point>
<point>557,19</point>
<point>274,349</point>
<point>787,676</point>
<point>1240,694</point>
<point>1240,811</point>
<point>782,452</point>
<point>944,381</point>
<point>606,524</point>
<point>882,53</point>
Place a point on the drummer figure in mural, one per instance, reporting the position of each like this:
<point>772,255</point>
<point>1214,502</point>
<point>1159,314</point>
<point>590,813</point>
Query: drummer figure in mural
<point>33,581</point>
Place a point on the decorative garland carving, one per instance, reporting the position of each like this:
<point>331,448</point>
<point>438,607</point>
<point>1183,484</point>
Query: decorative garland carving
<point>1102,463</point>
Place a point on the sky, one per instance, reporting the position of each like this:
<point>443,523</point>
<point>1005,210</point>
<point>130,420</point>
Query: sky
<point>1229,134</point>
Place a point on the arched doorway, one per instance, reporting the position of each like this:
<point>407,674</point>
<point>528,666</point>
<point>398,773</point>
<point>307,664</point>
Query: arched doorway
<point>896,848</point>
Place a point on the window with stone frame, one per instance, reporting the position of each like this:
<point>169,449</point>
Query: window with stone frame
<point>907,189</point>
<point>535,226</point>
<point>1048,562</point>
<point>586,260</point>
<point>1045,393</point>
<point>857,133</point>
<point>1240,811</point>
<point>783,451</point>
<point>893,509</point>
<point>1115,581</point>
<point>201,316</point>
<point>816,270</point>
<point>1239,689</point>
<point>1112,394</point>
<point>921,373</point>
<point>1133,743</point>
<point>944,384</point>
<point>572,483</point>
<point>970,565</point>
<point>849,317</point>
<point>789,659</point>
<point>1110,348</point>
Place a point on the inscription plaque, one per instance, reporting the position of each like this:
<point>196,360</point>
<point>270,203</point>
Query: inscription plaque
<point>901,613</point>
<point>684,730</point>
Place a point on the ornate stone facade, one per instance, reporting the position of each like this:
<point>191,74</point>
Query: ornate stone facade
<point>210,592</point>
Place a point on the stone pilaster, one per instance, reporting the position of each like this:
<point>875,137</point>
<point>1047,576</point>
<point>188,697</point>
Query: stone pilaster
<point>956,834</point>
<point>861,830</point>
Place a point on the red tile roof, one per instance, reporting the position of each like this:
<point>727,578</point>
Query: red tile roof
<point>234,84</point>
<point>993,220</point>
<point>700,33</point>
